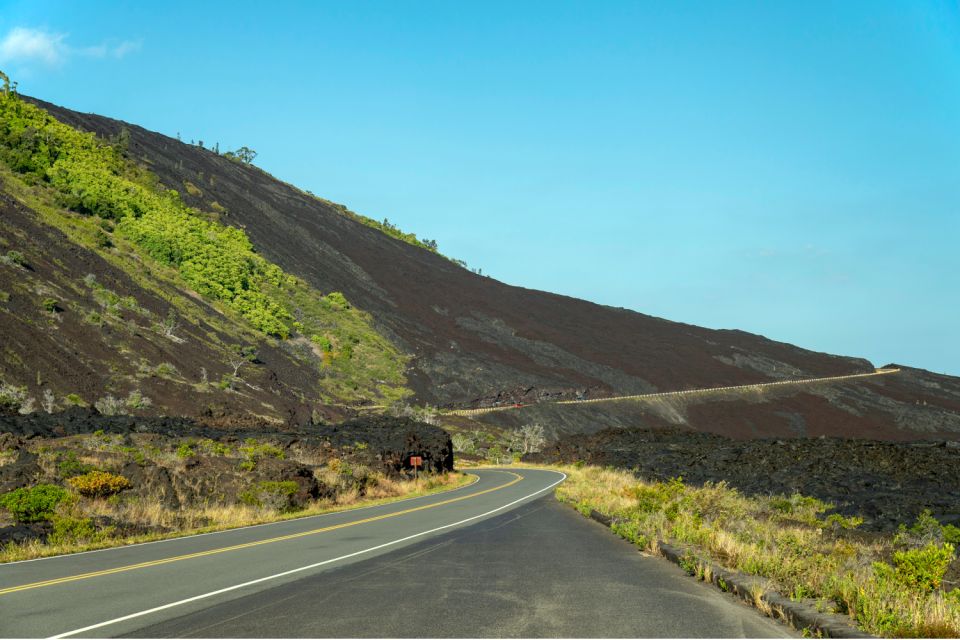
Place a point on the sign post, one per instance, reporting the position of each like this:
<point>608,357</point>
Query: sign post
<point>416,461</point>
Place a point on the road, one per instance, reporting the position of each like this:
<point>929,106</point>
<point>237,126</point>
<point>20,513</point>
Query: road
<point>498,558</point>
<point>707,391</point>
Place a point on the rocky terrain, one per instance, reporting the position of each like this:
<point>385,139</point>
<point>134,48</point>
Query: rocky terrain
<point>103,337</point>
<point>907,405</point>
<point>177,463</point>
<point>887,483</point>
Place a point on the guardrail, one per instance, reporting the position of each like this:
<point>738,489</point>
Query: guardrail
<point>687,392</point>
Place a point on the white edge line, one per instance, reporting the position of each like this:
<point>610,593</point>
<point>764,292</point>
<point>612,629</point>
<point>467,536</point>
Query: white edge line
<point>249,526</point>
<point>203,596</point>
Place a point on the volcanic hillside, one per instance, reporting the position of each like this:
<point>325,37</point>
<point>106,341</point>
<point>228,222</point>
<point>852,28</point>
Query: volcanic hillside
<point>470,339</point>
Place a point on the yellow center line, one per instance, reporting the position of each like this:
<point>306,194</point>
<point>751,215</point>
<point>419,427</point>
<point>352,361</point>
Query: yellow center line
<point>246,545</point>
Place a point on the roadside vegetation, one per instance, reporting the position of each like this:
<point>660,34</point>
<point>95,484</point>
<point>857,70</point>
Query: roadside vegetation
<point>903,585</point>
<point>85,501</point>
<point>91,190</point>
<point>487,446</point>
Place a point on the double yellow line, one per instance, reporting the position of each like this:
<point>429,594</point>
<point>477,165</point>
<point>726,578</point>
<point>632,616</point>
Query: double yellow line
<point>247,545</point>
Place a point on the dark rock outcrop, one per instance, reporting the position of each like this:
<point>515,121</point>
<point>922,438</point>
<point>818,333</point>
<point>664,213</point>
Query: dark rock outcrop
<point>381,442</point>
<point>887,483</point>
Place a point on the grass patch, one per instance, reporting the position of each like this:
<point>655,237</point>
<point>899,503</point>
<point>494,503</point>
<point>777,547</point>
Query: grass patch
<point>206,519</point>
<point>891,586</point>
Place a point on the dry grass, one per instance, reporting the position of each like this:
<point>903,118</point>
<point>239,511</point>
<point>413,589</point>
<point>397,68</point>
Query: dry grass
<point>785,540</point>
<point>167,523</point>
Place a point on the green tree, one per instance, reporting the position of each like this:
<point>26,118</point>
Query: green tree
<point>245,155</point>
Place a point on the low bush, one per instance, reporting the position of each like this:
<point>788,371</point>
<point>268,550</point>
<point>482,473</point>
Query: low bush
<point>213,448</point>
<point>69,466</point>
<point>136,400</point>
<point>166,370</point>
<point>186,450</point>
<point>109,405</point>
<point>98,484</point>
<point>13,258</point>
<point>463,444</point>
<point>272,495</point>
<point>921,569</point>
<point>33,504</point>
<point>12,397</point>
<point>927,529</point>
<point>51,305</point>
<point>75,400</point>
<point>68,529</point>
<point>253,450</point>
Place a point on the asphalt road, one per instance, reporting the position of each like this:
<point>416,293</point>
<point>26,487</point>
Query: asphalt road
<point>498,558</point>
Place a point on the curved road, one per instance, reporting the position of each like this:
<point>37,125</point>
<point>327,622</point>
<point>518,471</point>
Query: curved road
<point>497,558</point>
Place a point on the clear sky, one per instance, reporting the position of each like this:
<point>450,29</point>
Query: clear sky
<point>790,169</point>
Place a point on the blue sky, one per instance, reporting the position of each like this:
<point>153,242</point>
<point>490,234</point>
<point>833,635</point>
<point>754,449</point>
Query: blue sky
<point>790,169</point>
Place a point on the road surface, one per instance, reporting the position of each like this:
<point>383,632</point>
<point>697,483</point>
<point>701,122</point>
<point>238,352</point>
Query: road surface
<point>498,558</point>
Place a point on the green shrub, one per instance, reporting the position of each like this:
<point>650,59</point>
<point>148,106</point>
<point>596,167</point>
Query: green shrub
<point>137,455</point>
<point>923,569</point>
<point>136,400</point>
<point>658,497</point>
<point>277,496</point>
<point>14,258</point>
<point>951,534</point>
<point>11,396</point>
<point>252,450</point>
<point>338,300</point>
<point>50,305</point>
<point>185,450</point>
<point>33,504</point>
<point>67,529</point>
<point>102,239</point>
<point>629,530</point>
<point>165,370</point>
<point>98,484</point>
<point>838,521</point>
<point>74,399</point>
<point>213,448</point>
<point>323,342</point>
<point>68,466</point>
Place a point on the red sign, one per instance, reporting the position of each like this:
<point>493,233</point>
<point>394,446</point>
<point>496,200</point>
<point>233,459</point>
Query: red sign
<point>416,461</point>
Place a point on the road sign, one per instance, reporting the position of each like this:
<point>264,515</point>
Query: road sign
<point>416,462</point>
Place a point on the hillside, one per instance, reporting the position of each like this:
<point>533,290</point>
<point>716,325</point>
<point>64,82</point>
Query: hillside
<point>470,339</point>
<point>126,289</point>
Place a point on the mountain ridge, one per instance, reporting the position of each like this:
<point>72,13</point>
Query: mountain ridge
<point>470,338</point>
